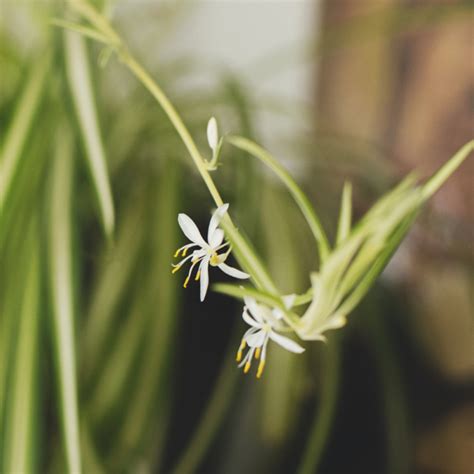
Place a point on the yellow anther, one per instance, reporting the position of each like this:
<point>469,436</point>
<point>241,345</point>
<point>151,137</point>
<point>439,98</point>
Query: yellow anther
<point>239,352</point>
<point>184,251</point>
<point>247,367</point>
<point>198,275</point>
<point>175,269</point>
<point>261,366</point>
<point>257,353</point>
<point>215,259</point>
<point>176,253</point>
<point>185,284</point>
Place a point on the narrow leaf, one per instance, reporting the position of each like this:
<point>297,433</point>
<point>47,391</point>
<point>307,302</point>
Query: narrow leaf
<point>345,215</point>
<point>61,281</point>
<point>438,179</point>
<point>83,30</point>
<point>19,451</point>
<point>15,140</point>
<point>298,195</point>
<point>80,84</point>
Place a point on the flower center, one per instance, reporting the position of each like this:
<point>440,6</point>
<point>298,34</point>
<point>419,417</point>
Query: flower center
<point>267,327</point>
<point>214,259</point>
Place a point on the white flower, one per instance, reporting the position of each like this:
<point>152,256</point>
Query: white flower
<point>212,134</point>
<point>263,323</point>
<point>207,252</point>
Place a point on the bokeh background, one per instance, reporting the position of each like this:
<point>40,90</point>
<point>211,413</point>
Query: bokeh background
<point>365,90</point>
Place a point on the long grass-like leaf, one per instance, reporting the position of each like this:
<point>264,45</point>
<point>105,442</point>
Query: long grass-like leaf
<point>345,215</point>
<point>61,281</point>
<point>162,301</point>
<point>19,450</point>
<point>116,369</point>
<point>439,178</point>
<point>78,74</point>
<point>110,286</point>
<point>298,195</point>
<point>83,30</point>
<point>14,144</point>
<point>366,283</point>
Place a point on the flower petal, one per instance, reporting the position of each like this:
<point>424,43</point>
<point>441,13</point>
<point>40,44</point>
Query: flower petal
<point>199,253</point>
<point>286,343</point>
<point>216,238</point>
<point>190,230</point>
<point>257,339</point>
<point>212,133</point>
<point>250,331</point>
<point>278,313</point>
<point>254,309</point>
<point>233,272</point>
<point>204,278</point>
<point>249,320</point>
<point>288,300</point>
<point>215,220</point>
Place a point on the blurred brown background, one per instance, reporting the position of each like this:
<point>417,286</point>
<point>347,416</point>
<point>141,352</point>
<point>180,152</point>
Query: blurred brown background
<point>400,79</point>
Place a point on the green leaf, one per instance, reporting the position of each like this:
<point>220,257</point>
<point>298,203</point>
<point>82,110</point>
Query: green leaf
<point>15,139</point>
<point>78,74</point>
<point>83,30</point>
<point>351,262</point>
<point>93,16</point>
<point>61,282</point>
<point>345,215</point>
<point>369,278</point>
<point>298,195</point>
<point>19,450</point>
<point>110,285</point>
<point>439,178</point>
<point>162,301</point>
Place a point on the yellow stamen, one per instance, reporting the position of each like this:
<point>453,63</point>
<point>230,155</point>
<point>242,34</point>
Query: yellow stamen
<point>261,366</point>
<point>257,353</point>
<point>247,367</point>
<point>185,284</point>
<point>176,268</point>
<point>185,251</point>
<point>215,259</point>
<point>176,253</point>
<point>198,275</point>
<point>239,352</point>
